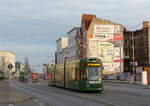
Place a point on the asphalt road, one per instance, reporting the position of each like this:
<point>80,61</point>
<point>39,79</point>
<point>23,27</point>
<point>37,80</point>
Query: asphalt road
<point>114,95</point>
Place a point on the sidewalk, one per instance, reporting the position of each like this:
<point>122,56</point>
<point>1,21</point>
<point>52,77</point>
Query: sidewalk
<point>127,82</point>
<point>17,97</point>
<point>4,92</point>
<point>11,96</point>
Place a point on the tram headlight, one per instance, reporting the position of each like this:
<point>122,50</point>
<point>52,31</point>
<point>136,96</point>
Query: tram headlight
<point>94,82</point>
<point>99,81</point>
<point>91,82</point>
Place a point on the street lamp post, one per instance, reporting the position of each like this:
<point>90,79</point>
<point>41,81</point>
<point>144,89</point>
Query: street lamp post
<point>65,56</point>
<point>134,76</point>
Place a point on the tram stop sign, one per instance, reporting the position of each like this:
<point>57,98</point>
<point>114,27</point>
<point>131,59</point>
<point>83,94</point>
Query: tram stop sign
<point>10,66</point>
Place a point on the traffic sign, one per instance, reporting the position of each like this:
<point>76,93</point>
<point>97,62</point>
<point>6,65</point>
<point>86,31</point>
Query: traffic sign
<point>10,66</point>
<point>134,63</point>
<point>139,69</point>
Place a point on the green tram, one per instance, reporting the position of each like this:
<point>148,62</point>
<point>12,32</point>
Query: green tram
<point>83,75</point>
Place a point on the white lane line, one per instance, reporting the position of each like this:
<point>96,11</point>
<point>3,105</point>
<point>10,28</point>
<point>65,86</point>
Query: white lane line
<point>10,105</point>
<point>36,100</point>
<point>41,104</point>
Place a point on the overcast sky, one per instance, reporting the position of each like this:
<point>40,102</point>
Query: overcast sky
<point>31,27</point>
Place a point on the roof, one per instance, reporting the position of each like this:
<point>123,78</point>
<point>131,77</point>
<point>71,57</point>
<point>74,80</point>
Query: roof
<point>60,38</point>
<point>8,51</point>
<point>87,19</point>
<point>73,29</point>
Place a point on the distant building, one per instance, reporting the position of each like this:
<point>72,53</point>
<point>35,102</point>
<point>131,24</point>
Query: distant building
<point>74,44</point>
<point>62,45</point>
<point>138,40</point>
<point>96,38</point>
<point>52,63</point>
<point>19,69</point>
<point>6,58</point>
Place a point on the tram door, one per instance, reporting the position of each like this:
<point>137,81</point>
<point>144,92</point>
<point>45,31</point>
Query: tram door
<point>83,74</point>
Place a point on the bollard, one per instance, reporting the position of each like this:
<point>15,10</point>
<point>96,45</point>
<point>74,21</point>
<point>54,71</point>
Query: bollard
<point>144,78</point>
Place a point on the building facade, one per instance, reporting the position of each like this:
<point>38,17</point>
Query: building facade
<point>97,38</point>
<point>6,58</point>
<point>137,48</point>
<point>74,44</point>
<point>62,47</point>
<point>103,39</point>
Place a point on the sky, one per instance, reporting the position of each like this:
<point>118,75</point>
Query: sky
<point>30,28</point>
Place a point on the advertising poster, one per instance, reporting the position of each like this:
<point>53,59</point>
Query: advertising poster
<point>117,54</point>
<point>106,51</point>
<point>111,67</point>
<point>107,46</point>
<point>103,29</point>
<point>104,37</point>
<point>92,49</point>
<point>108,66</point>
<point>118,37</point>
<point>116,67</point>
<point>117,29</point>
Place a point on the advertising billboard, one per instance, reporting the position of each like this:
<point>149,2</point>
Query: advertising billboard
<point>105,51</point>
<point>104,37</point>
<point>106,43</point>
<point>117,54</point>
<point>103,29</point>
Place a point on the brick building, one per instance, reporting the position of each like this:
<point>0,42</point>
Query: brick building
<point>137,43</point>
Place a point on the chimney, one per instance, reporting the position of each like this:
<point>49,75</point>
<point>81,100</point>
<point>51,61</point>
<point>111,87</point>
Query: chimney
<point>145,24</point>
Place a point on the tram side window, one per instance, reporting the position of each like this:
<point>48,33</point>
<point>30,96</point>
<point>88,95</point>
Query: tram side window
<point>76,73</point>
<point>73,73</point>
<point>83,74</point>
<point>84,70</point>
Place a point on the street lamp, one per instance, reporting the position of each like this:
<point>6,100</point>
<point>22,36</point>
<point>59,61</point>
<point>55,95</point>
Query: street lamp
<point>133,58</point>
<point>64,54</point>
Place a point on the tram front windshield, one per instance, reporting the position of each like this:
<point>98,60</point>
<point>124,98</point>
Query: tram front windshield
<point>93,73</point>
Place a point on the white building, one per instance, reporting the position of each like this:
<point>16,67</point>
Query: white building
<point>6,58</point>
<point>62,44</point>
<point>73,44</point>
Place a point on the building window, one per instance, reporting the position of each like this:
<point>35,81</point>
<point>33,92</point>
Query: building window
<point>3,58</point>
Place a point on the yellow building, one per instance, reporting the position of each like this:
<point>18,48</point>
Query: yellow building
<point>6,58</point>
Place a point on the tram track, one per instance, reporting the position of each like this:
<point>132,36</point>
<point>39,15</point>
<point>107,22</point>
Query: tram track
<point>49,91</point>
<point>109,96</point>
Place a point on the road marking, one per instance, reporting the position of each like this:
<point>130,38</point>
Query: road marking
<point>41,104</point>
<point>10,105</point>
<point>36,100</point>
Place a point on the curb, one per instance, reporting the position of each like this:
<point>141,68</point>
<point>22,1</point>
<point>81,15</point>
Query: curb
<point>127,82</point>
<point>19,101</point>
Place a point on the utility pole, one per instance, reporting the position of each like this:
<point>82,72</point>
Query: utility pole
<point>134,76</point>
<point>65,58</point>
